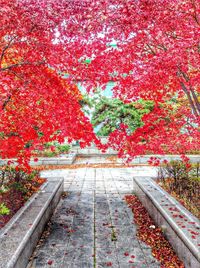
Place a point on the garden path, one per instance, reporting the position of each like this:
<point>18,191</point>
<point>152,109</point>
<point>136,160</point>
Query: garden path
<point>92,225</point>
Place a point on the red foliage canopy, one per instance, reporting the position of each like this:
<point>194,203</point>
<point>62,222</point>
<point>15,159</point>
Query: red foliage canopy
<point>37,104</point>
<point>157,57</point>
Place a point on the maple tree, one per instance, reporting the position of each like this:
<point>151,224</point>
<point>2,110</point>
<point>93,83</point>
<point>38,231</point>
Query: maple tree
<point>37,104</point>
<point>156,57</point>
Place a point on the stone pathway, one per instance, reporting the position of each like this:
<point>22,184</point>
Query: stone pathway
<point>92,226</point>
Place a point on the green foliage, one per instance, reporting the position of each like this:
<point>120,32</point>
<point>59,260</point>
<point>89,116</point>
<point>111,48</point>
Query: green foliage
<point>4,210</point>
<point>48,145</point>
<point>49,153</point>
<point>109,113</point>
<point>3,189</point>
<point>19,186</point>
<point>57,149</point>
<point>86,103</point>
<point>63,148</point>
<point>113,235</point>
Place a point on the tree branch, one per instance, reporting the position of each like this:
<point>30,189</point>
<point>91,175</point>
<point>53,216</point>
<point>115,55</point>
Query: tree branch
<point>195,99</point>
<point>195,16</point>
<point>6,102</point>
<point>21,64</point>
<point>5,48</point>
<point>192,105</point>
<point>151,49</point>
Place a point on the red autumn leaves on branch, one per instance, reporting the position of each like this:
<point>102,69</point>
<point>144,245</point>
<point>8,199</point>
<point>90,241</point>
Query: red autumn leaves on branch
<point>155,57</point>
<point>37,104</point>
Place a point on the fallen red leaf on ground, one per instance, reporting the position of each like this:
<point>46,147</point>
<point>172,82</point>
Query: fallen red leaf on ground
<point>161,249</point>
<point>50,262</point>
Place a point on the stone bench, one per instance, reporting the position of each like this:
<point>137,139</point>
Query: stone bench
<point>181,228</point>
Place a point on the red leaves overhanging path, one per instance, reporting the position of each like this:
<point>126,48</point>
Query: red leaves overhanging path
<point>156,57</point>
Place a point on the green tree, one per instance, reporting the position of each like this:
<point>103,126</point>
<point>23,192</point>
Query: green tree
<point>109,113</point>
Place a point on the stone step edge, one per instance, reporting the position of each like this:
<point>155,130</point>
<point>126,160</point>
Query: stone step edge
<point>45,161</point>
<point>185,239</point>
<point>18,260</point>
<point>72,156</point>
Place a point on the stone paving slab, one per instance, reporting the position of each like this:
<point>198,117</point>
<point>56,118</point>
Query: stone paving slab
<point>92,226</point>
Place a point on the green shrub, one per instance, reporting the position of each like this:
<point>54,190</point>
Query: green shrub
<point>57,149</point>
<point>48,145</point>
<point>19,186</point>
<point>3,189</point>
<point>63,148</point>
<point>49,153</point>
<point>4,210</point>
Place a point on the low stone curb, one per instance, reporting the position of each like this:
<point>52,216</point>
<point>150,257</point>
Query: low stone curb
<point>145,158</point>
<point>46,160</point>
<point>70,158</point>
<point>94,152</point>
<point>181,228</point>
<point>20,236</point>
<point>54,160</point>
